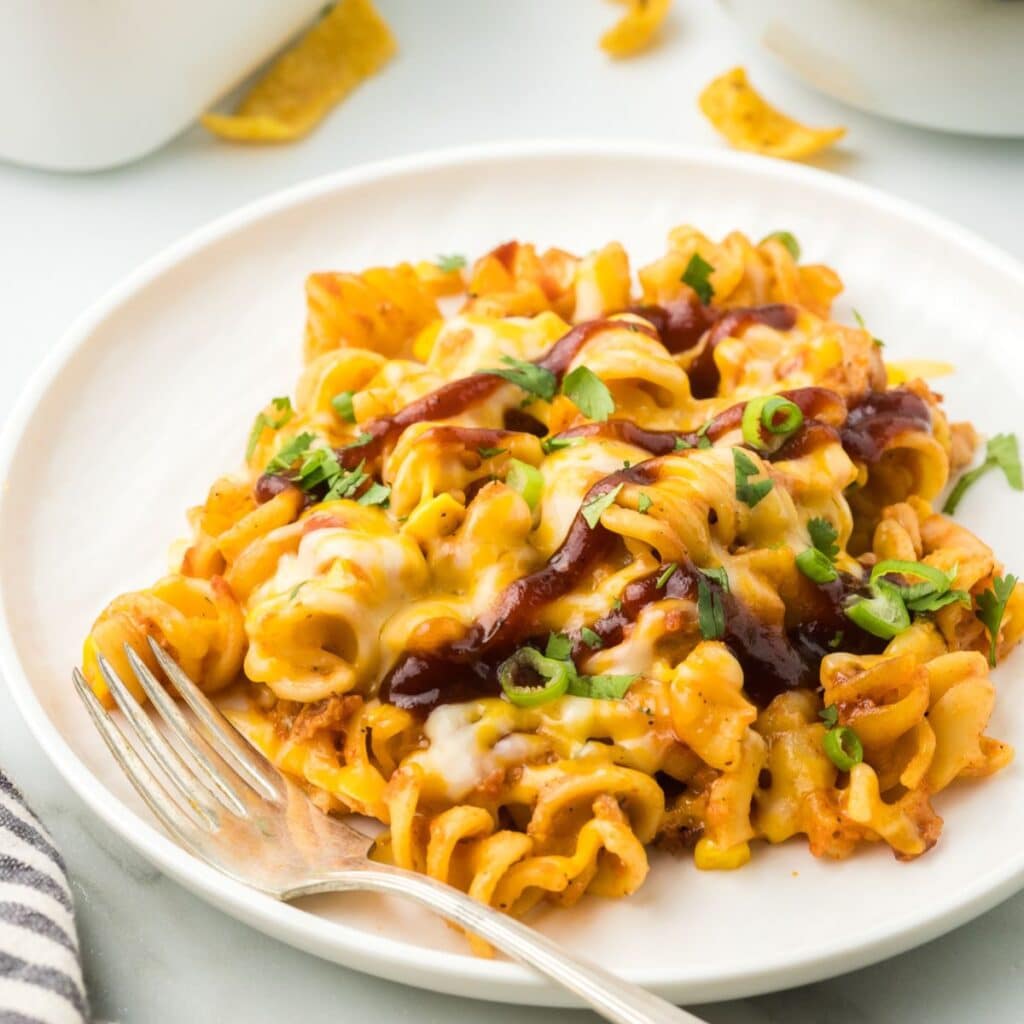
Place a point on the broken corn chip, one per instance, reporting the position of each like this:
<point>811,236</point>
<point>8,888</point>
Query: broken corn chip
<point>348,45</point>
<point>732,105</point>
<point>637,29</point>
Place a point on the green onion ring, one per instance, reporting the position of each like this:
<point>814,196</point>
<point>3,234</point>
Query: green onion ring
<point>762,414</point>
<point>816,566</point>
<point>556,674</point>
<point>526,480</point>
<point>935,580</point>
<point>883,615</point>
<point>843,747</point>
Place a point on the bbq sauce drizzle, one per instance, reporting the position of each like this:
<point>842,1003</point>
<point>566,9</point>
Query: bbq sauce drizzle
<point>773,659</point>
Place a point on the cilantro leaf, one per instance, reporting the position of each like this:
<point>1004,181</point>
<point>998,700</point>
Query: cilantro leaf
<point>450,263</point>
<point>290,451</point>
<point>681,444</point>
<point>375,494</point>
<point>594,509</point>
<point>556,444</point>
<point>591,639</point>
<point>643,504</point>
<point>1001,451</point>
<point>787,239</point>
<point>750,494</point>
<point>588,393</point>
<point>342,405</point>
<point>559,647</point>
<point>991,606</point>
<point>362,438</point>
<point>605,687</point>
<point>697,275</point>
<point>710,611</point>
<point>830,716</point>
<point>534,380</point>
<point>284,406</point>
<point>490,453</point>
<point>823,537</point>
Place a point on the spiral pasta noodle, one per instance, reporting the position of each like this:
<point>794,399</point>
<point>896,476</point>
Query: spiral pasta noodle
<point>579,569</point>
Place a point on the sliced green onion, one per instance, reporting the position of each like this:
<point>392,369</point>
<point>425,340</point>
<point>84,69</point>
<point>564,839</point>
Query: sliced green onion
<point>816,566</point>
<point>883,615</point>
<point>936,581</point>
<point>525,479</point>
<point>772,413</point>
<point>775,407</point>
<point>555,675</point>
<point>342,405</point>
<point>843,747</point>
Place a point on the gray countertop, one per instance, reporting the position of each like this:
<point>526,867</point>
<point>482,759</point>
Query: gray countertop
<point>152,951</point>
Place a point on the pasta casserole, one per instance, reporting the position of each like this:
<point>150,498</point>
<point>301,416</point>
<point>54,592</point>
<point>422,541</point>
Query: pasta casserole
<point>540,566</point>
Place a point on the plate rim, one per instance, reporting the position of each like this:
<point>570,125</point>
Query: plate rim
<point>444,971</point>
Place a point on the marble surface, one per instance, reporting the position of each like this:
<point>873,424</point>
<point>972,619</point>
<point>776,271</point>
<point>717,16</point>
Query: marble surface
<point>469,70</point>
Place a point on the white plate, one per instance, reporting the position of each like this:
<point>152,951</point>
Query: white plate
<point>152,394</point>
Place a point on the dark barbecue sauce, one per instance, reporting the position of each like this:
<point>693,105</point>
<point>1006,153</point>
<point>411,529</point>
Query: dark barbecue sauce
<point>879,416</point>
<point>703,372</point>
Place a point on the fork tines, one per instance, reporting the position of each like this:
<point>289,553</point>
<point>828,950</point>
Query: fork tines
<point>211,771</point>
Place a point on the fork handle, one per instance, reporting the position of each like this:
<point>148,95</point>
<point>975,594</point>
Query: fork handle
<point>616,1000</point>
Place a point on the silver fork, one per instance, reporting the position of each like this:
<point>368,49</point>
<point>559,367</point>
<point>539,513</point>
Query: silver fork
<point>233,809</point>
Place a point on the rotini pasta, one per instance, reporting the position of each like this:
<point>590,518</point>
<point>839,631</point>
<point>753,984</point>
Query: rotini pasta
<point>578,568</point>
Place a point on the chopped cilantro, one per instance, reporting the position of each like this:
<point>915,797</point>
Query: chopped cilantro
<point>787,239</point>
<point>590,638</point>
<point>375,494</point>
<point>992,606</point>
<point>290,451</point>
<point>823,537</point>
<point>698,276</point>
<point>643,504</point>
<point>362,438</point>
<point>750,494</point>
<point>588,393</point>
<point>830,716</point>
<point>1001,451</point>
<point>710,611</point>
<point>537,381</point>
<point>490,453</point>
<point>556,444</point>
<point>601,687</point>
<point>284,406</point>
<point>594,509</point>
<point>450,263</point>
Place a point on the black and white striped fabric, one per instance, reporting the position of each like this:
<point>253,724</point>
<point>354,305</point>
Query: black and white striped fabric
<point>40,972</point>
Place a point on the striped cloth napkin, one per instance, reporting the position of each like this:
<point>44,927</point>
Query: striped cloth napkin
<point>40,972</point>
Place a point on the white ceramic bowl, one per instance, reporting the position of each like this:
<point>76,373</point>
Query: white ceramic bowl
<point>956,65</point>
<point>87,85</point>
